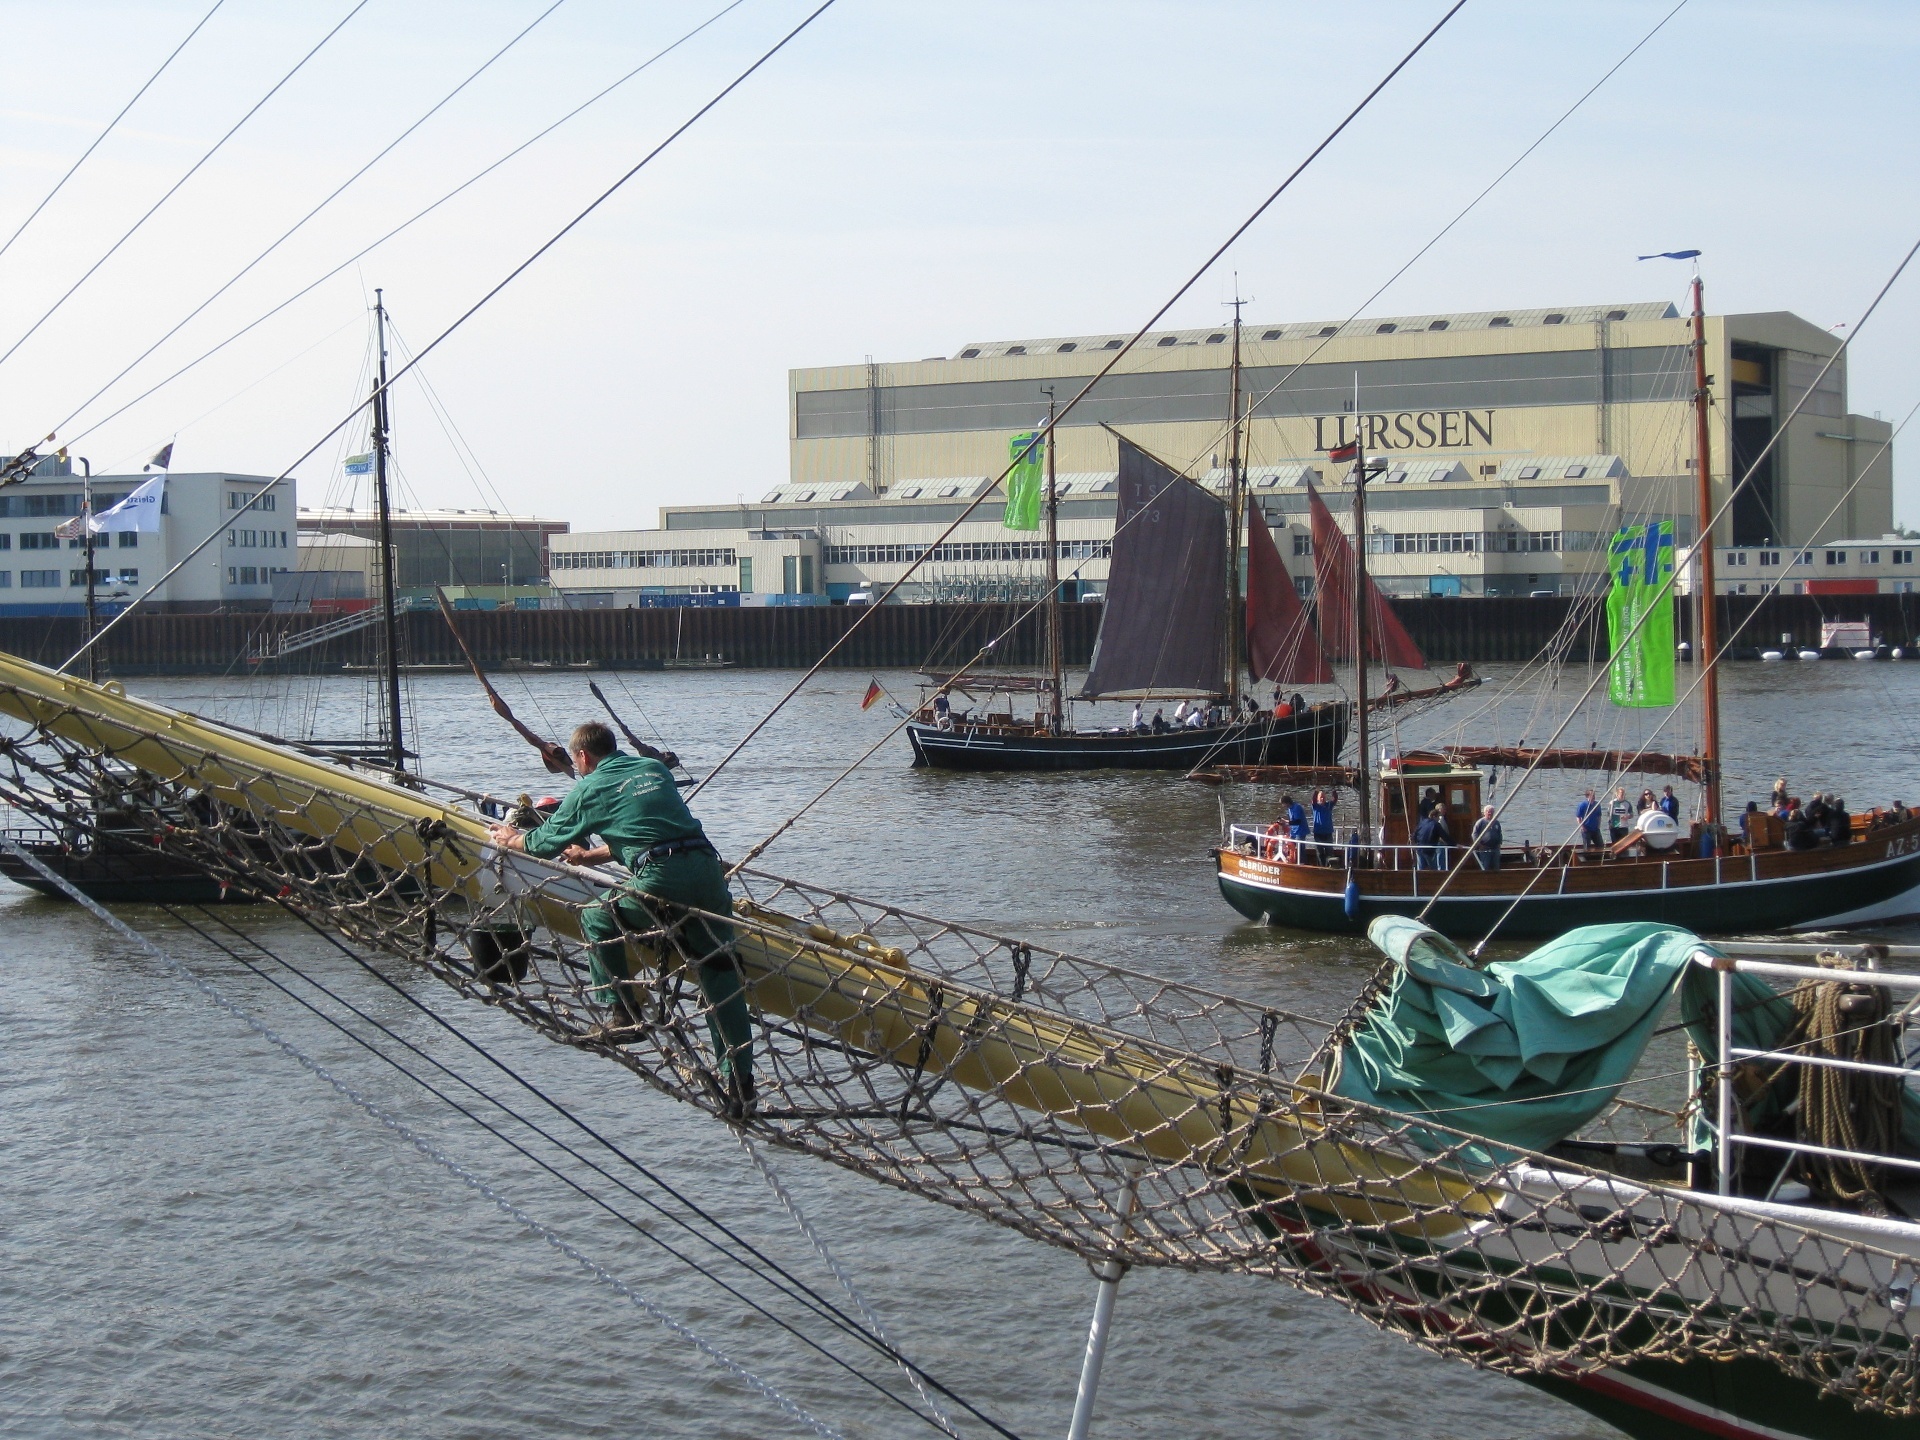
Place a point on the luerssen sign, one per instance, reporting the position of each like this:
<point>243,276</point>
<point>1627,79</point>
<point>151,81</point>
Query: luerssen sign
<point>1407,430</point>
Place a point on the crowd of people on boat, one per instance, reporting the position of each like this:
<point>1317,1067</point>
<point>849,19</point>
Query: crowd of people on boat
<point>1802,824</point>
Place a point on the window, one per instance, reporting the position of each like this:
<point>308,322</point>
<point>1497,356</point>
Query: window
<point>1900,557</point>
<point>909,492</point>
<point>1736,557</point>
<point>1068,347</point>
<point>1836,557</point>
<point>1111,345</point>
<point>746,574</point>
<point>1805,557</point>
<point>1302,544</point>
<point>948,491</point>
<point>1489,469</point>
<point>1869,557</point>
<point>706,559</point>
<point>1529,472</point>
<point>1016,349</point>
<point>1326,330</point>
<point>1215,339</point>
<point>1386,329</point>
<point>128,540</point>
<point>1000,550</point>
<point>39,540</point>
<point>1271,335</point>
<point>1555,319</point>
<point>1169,340</point>
<point>1769,557</point>
<point>1499,322</point>
<point>129,577</point>
<point>1616,314</point>
<point>6,579</point>
<point>802,499</point>
<point>6,541</point>
<point>1575,472</point>
<point>1438,325</point>
<point>39,579</point>
<point>78,578</point>
<point>969,354</point>
<point>233,576</point>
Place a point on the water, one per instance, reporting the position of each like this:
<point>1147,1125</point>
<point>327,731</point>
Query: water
<point>202,1239</point>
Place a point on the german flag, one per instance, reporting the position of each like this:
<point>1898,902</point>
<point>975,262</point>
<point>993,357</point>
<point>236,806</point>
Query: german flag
<point>874,692</point>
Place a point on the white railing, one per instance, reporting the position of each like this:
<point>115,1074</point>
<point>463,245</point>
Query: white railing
<point>1254,839</point>
<point>1725,967</point>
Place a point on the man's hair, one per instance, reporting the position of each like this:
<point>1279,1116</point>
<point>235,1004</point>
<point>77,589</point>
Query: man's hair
<point>594,738</point>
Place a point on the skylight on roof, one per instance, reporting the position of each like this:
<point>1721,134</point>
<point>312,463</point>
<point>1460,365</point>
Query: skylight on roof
<point>1271,335</point>
<point>1067,347</point>
<point>1169,340</point>
<point>949,490</point>
<point>1499,321</point>
<point>1438,325</point>
<point>909,492</point>
<point>1016,349</point>
<point>1111,345</point>
<point>770,498</point>
<point>969,354</point>
<point>1267,482</point>
<point>1386,329</point>
<point>1215,339</point>
<point>1326,330</point>
<point>1529,472</point>
<point>1554,319</point>
<point>1616,314</point>
<point>1575,472</point>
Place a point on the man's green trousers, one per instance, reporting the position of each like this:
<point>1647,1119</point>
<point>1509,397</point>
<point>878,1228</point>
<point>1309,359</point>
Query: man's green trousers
<point>652,898</point>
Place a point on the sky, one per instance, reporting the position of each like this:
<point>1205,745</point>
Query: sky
<point>899,180</point>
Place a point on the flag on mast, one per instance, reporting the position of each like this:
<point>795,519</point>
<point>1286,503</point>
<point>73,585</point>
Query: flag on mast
<point>162,458</point>
<point>139,511</point>
<point>1024,481</point>
<point>872,697</point>
<point>1640,674</point>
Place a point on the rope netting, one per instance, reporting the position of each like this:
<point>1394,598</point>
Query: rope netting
<point>1094,1108</point>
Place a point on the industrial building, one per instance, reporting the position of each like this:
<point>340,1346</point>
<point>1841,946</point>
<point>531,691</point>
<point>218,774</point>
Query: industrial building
<point>42,573</point>
<point>450,547</point>
<point>1515,442</point>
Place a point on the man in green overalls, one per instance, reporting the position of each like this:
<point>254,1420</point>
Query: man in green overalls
<point>631,803</point>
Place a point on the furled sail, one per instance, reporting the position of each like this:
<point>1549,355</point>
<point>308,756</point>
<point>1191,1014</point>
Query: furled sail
<point>1387,638</point>
<point>1281,645</point>
<point>1165,621</point>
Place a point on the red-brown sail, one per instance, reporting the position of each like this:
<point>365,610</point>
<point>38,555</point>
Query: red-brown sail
<point>1333,577</point>
<point>1281,645</point>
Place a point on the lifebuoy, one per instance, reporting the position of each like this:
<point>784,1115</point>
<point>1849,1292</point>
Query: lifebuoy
<point>1271,839</point>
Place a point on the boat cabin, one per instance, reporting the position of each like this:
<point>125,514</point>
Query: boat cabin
<point>1409,777</point>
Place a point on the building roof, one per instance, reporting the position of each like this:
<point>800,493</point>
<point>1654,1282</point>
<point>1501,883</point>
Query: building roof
<point>448,519</point>
<point>813,494</point>
<point>1327,329</point>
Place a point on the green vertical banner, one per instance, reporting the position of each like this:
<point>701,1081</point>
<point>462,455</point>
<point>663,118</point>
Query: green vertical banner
<point>1641,562</point>
<point>1024,481</point>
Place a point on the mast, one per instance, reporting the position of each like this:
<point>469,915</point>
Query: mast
<point>1706,634</point>
<point>390,660</point>
<point>1236,501</point>
<point>1057,705</point>
<point>86,529</point>
<point>1360,617</point>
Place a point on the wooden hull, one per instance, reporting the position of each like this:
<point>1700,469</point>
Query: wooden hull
<point>1314,738</point>
<point>1876,879</point>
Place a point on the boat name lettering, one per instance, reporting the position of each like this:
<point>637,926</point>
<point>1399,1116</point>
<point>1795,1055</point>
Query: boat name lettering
<point>1406,430</point>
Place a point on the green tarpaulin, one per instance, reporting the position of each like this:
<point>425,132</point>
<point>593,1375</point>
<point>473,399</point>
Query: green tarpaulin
<point>1523,1052</point>
<point>1024,481</point>
<point>1641,561</point>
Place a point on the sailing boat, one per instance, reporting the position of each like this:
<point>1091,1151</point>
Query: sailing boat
<point>1168,631</point>
<point>1705,878</point>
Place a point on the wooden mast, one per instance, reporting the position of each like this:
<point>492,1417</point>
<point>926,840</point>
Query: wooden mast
<point>1057,705</point>
<point>1706,632</point>
<point>1359,568</point>
<point>390,660</point>
<point>1236,505</point>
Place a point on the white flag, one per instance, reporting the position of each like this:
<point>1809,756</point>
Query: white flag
<point>72,529</point>
<point>139,511</point>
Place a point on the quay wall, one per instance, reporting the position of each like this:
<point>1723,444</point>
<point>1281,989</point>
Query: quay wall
<point>893,636</point>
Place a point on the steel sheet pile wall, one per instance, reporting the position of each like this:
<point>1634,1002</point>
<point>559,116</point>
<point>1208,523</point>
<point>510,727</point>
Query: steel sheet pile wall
<point>894,637</point>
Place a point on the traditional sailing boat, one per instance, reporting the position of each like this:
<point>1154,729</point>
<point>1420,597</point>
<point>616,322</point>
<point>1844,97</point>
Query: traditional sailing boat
<point>1169,630</point>
<point>1706,878</point>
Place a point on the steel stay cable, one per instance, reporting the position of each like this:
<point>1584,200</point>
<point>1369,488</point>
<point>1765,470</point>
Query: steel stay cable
<point>419,1142</point>
<point>814,1300</point>
<point>111,124</point>
<point>472,310</point>
<point>520,1149</point>
<point>417,216</point>
<point>278,85</point>
<point>1045,430</point>
<point>299,224</point>
<point>1705,537</point>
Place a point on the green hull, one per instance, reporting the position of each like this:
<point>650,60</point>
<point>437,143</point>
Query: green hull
<point>1667,1400</point>
<point>1859,896</point>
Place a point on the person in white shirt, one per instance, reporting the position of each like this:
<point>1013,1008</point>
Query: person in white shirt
<point>1180,714</point>
<point>1198,719</point>
<point>1137,722</point>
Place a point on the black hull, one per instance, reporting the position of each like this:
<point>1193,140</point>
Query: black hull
<point>1314,738</point>
<point>118,874</point>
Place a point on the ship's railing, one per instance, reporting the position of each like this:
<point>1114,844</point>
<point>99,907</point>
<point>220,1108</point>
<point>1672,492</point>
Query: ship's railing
<point>1729,1135</point>
<point>1255,840</point>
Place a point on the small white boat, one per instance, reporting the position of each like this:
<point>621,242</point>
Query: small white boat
<point>1809,654</point>
<point>1771,657</point>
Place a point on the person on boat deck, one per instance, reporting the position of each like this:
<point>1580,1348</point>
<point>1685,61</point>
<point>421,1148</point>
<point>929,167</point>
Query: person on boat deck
<point>1647,802</point>
<point>632,805</point>
<point>1160,726</point>
<point>1747,818</point>
<point>1429,798</point>
<point>1198,719</point>
<point>1323,826</point>
<point>942,710</point>
<point>1180,713</point>
<point>1430,840</point>
<point>1778,802</point>
<point>1136,723</point>
<point>1841,825</point>
<point>1588,813</point>
<point>1800,834</point>
<point>1819,815</point>
<point>1619,815</point>
<point>1487,839</point>
<point>1669,804</point>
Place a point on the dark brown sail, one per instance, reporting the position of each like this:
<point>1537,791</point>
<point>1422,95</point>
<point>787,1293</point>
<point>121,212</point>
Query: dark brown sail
<point>1164,626</point>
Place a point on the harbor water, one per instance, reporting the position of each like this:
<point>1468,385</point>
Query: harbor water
<point>202,1238</point>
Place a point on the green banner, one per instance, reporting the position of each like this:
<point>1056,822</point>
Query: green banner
<point>1641,561</point>
<point>1024,481</point>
